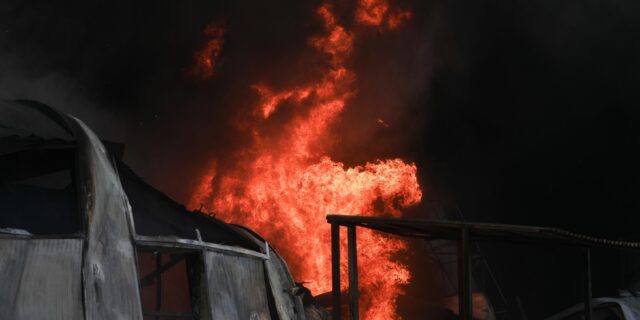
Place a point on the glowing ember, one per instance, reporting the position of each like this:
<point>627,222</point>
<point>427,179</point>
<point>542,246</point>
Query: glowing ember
<point>382,123</point>
<point>207,56</point>
<point>285,184</point>
<point>372,12</point>
<point>376,13</point>
<point>397,18</point>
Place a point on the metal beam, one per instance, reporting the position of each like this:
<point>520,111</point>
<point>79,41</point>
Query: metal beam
<point>335,270</point>
<point>158,283</point>
<point>464,277</point>
<point>450,230</point>
<point>353,272</point>
<point>588,304</point>
<point>169,242</point>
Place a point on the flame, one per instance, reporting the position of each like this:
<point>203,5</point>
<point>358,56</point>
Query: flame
<point>371,12</point>
<point>206,57</point>
<point>396,19</point>
<point>377,13</point>
<point>285,184</point>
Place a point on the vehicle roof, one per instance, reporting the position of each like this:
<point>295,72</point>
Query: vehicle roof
<point>30,119</point>
<point>23,123</point>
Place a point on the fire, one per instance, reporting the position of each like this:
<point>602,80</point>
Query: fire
<point>376,13</point>
<point>285,184</point>
<point>205,58</point>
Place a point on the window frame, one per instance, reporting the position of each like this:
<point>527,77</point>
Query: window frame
<point>74,168</point>
<point>196,283</point>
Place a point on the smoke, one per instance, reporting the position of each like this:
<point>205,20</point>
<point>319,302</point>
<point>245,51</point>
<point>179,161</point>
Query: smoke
<point>125,70</point>
<point>122,68</point>
<point>533,119</point>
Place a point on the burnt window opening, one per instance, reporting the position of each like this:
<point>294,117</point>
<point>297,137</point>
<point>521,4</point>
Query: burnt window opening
<point>38,191</point>
<point>157,215</point>
<point>171,284</point>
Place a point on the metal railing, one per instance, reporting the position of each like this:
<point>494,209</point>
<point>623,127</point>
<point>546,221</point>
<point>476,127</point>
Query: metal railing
<point>462,232</point>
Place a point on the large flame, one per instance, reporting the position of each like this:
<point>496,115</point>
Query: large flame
<point>285,184</point>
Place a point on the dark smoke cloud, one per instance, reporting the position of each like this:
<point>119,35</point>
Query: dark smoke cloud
<point>533,119</point>
<point>515,111</point>
<point>121,67</point>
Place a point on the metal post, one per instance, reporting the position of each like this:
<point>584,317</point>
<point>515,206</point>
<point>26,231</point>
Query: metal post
<point>353,272</point>
<point>158,283</point>
<point>588,305</point>
<point>335,270</point>
<point>464,285</point>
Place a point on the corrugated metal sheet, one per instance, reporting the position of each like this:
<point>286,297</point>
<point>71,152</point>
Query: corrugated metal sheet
<point>40,279</point>
<point>237,288</point>
<point>289,306</point>
<point>110,275</point>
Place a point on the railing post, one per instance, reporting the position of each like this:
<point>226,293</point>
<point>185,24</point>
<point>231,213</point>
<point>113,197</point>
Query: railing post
<point>335,270</point>
<point>464,284</point>
<point>353,272</point>
<point>588,304</point>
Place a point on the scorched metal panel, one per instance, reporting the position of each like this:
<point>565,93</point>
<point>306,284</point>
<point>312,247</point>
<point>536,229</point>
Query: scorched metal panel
<point>110,276</point>
<point>237,288</point>
<point>40,279</point>
<point>288,304</point>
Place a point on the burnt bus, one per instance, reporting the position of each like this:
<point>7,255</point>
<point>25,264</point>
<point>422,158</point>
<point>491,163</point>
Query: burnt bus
<point>83,237</point>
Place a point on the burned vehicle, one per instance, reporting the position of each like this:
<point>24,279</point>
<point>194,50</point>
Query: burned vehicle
<point>83,237</point>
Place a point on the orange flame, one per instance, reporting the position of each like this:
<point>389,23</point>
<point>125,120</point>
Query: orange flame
<point>205,58</point>
<point>285,184</point>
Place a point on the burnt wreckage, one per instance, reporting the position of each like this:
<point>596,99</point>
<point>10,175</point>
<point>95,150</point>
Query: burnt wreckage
<point>83,237</point>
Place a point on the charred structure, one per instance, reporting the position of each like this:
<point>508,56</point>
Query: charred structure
<point>83,237</point>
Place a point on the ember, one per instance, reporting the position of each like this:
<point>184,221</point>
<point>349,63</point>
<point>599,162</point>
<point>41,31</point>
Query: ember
<point>285,184</point>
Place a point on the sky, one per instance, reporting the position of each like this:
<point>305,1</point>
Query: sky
<point>514,111</point>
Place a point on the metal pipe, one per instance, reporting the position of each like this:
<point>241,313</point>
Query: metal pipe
<point>158,283</point>
<point>588,303</point>
<point>353,272</point>
<point>464,285</point>
<point>335,270</point>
